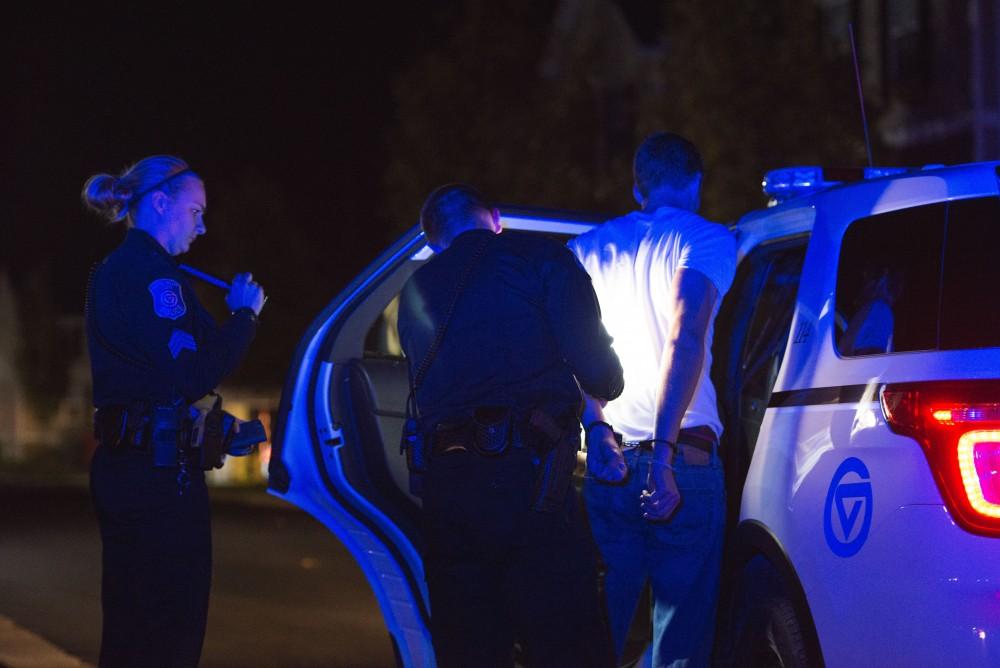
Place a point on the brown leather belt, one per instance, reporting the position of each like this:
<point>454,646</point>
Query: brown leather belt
<point>701,438</point>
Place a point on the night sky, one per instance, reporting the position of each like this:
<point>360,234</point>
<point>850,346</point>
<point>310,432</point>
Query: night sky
<point>318,132</point>
<point>281,112</point>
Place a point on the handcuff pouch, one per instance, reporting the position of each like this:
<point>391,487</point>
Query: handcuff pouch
<point>492,430</point>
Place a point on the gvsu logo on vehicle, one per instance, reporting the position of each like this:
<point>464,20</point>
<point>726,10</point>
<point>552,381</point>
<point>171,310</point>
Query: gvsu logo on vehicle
<point>847,516</point>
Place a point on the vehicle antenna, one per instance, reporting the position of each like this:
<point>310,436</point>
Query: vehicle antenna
<point>861,93</point>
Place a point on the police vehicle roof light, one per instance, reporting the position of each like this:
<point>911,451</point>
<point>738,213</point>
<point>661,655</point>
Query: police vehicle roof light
<point>792,181</point>
<point>788,182</point>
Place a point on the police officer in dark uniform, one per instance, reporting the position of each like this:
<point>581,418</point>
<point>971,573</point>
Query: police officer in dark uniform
<point>501,331</point>
<point>154,350</point>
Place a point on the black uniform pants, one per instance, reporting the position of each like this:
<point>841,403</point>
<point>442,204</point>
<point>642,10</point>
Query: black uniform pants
<point>499,573</point>
<point>157,561</point>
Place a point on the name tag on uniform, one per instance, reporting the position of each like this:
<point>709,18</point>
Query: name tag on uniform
<point>168,301</point>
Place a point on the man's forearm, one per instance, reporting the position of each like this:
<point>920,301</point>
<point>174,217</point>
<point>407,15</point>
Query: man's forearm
<point>683,356</point>
<point>680,371</point>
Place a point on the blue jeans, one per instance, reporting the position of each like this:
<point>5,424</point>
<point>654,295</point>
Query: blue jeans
<point>681,559</point>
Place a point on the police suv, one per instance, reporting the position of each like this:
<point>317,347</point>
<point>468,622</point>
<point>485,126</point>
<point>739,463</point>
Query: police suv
<point>857,363</point>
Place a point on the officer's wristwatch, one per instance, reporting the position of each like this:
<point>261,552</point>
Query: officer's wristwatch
<point>253,314</point>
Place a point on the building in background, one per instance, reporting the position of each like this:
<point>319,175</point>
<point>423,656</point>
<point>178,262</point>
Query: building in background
<point>10,330</point>
<point>248,403</point>
<point>26,433</point>
<point>61,437</point>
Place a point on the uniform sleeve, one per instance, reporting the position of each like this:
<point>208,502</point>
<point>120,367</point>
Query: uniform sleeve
<point>221,349</point>
<point>575,317</point>
<point>188,350</point>
<point>711,250</point>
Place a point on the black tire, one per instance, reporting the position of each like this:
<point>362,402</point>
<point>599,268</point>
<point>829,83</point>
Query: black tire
<point>767,632</point>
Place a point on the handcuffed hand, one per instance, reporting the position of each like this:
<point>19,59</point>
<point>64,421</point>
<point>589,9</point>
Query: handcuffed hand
<point>605,460</point>
<point>245,293</point>
<point>661,498</point>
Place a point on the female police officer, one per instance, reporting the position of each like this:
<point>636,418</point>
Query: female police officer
<point>154,350</point>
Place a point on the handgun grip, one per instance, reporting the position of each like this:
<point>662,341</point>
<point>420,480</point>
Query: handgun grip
<point>556,470</point>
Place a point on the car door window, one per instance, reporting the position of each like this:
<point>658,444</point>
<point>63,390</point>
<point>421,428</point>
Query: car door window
<point>764,346</point>
<point>921,278</point>
<point>970,300</point>
<point>750,338</point>
<point>887,282</point>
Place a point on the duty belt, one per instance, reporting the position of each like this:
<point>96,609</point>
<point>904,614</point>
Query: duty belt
<point>118,427</point>
<point>517,429</point>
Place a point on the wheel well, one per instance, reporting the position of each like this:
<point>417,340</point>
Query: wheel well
<point>753,543</point>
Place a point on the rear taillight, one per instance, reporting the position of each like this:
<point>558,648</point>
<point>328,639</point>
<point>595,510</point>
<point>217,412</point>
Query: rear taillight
<point>958,425</point>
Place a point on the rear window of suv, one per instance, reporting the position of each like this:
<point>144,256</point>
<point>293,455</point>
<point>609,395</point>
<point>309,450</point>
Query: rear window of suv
<point>923,278</point>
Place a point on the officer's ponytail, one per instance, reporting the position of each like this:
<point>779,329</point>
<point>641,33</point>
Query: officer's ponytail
<point>117,198</point>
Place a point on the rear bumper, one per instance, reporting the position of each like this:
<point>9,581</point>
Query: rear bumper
<point>923,592</point>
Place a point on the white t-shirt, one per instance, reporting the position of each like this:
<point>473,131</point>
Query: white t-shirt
<point>632,261</point>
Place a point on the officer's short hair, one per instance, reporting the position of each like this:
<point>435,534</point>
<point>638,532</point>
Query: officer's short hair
<point>665,159</point>
<point>448,209</point>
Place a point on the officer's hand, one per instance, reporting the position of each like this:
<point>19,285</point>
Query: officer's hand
<point>245,293</point>
<point>605,460</point>
<point>661,498</point>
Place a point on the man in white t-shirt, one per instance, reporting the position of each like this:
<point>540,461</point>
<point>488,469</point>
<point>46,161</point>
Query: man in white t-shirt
<point>654,490</point>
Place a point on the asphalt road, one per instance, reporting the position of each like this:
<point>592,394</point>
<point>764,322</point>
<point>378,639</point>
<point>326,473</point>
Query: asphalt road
<point>285,591</point>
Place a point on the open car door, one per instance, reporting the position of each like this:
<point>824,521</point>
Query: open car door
<point>336,448</point>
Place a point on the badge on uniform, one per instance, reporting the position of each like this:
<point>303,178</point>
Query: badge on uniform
<point>168,302</point>
<point>179,341</point>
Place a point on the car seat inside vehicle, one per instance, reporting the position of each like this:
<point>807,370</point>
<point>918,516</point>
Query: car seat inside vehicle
<point>374,403</point>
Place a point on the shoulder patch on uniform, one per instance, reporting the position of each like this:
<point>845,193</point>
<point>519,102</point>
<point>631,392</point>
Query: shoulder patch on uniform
<point>168,300</point>
<point>181,340</point>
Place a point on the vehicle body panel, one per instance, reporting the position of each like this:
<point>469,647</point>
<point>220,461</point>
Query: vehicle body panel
<point>920,590</point>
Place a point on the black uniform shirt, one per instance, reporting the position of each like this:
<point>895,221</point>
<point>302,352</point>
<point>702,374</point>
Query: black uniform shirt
<point>527,322</point>
<point>149,337</point>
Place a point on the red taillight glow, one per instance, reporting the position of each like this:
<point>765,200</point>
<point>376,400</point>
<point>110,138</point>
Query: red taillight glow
<point>959,414</point>
<point>942,415</point>
<point>958,425</point>
<point>979,461</point>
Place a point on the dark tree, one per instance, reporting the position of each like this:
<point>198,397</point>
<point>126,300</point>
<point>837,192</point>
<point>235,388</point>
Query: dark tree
<point>543,103</point>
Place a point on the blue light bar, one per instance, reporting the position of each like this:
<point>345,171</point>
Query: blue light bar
<point>788,182</point>
<point>879,172</point>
